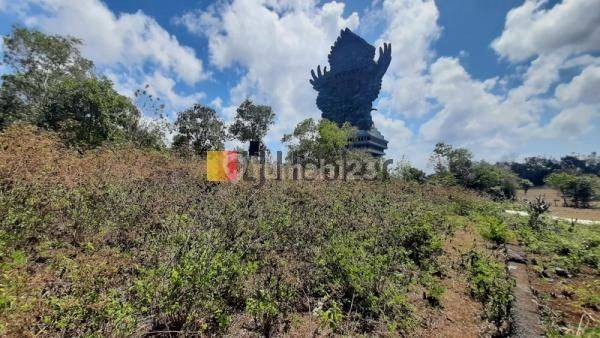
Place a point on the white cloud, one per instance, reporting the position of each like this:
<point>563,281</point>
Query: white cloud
<point>411,28</point>
<point>469,112</point>
<point>132,49</point>
<point>131,40</point>
<point>396,133</point>
<point>531,29</point>
<point>584,88</point>
<point>571,122</point>
<point>276,43</point>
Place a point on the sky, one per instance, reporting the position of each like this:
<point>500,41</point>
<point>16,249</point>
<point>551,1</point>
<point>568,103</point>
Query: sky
<point>505,78</point>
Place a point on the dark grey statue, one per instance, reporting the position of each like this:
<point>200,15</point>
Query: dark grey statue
<point>348,89</point>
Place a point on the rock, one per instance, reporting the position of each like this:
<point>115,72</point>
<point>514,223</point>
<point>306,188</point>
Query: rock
<point>515,257</point>
<point>545,274</point>
<point>568,293</point>
<point>562,272</point>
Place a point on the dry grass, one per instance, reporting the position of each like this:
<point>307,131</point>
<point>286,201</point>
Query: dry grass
<point>31,155</point>
<point>557,209</point>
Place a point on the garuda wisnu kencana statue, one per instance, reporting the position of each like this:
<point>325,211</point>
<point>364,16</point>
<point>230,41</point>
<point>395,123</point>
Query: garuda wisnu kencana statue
<point>348,89</point>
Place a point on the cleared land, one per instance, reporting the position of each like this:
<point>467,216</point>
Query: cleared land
<point>557,209</point>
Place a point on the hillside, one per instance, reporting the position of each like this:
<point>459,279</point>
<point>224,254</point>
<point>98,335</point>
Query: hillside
<point>120,241</point>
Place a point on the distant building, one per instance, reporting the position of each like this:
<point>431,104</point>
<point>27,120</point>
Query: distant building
<point>370,141</point>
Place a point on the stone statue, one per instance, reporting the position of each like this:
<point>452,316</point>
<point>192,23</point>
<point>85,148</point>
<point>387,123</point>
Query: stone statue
<point>348,89</point>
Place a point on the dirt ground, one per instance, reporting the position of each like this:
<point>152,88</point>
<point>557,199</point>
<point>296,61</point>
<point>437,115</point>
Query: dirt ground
<point>553,197</point>
<point>459,314</point>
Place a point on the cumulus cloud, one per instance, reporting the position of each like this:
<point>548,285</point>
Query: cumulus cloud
<point>584,88</point>
<point>411,28</point>
<point>469,112</point>
<point>128,39</point>
<point>131,49</point>
<point>276,43</point>
<point>531,29</point>
<point>571,122</point>
<point>396,132</point>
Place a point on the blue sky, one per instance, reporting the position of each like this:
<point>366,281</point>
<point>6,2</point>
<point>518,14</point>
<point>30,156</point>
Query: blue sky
<point>505,78</point>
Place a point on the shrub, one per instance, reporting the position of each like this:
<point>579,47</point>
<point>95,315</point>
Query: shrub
<point>490,285</point>
<point>494,229</point>
<point>536,208</point>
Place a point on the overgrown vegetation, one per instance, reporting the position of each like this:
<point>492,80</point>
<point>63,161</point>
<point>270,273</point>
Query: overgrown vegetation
<point>456,166</point>
<point>121,241</point>
<point>489,284</point>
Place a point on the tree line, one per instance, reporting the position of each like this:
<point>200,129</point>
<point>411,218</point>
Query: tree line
<point>51,85</point>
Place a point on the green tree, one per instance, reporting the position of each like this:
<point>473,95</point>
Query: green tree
<point>199,130</point>
<point>52,86</point>
<point>578,189</point>
<point>251,124</point>
<point>89,112</point>
<point>448,161</point>
<point>38,63</point>
<point>410,174</point>
<point>494,180</point>
<point>525,185</point>
<point>322,141</point>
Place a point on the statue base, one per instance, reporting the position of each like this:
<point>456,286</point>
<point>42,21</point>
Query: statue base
<point>370,141</point>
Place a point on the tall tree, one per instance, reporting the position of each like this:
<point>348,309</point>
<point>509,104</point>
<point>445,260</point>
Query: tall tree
<point>53,86</point>
<point>251,124</point>
<point>38,62</point>
<point>318,141</point>
<point>199,130</point>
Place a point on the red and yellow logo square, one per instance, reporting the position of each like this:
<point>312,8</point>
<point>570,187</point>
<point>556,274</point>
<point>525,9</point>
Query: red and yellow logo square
<point>221,166</point>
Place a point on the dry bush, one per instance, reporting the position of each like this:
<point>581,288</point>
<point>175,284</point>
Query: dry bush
<point>29,154</point>
<point>127,242</point>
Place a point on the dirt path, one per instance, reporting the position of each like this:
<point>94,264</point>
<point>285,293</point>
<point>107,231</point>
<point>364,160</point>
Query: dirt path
<point>460,315</point>
<point>576,220</point>
<point>525,316</point>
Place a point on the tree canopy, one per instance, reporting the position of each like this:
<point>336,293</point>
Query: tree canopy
<point>199,130</point>
<point>251,122</point>
<point>53,86</point>
<point>324,140</point>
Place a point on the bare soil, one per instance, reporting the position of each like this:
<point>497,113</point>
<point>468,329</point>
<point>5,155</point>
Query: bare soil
<point>562,302</point>
<point>459,314</point>
<point>557,209</point>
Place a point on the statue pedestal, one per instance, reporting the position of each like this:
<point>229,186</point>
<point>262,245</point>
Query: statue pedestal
<point>370,141</point>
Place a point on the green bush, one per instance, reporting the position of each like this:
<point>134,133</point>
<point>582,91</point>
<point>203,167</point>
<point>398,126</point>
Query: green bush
<point>490,285</point>
<point>494,229</point>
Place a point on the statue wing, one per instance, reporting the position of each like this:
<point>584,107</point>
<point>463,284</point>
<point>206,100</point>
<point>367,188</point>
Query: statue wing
<point>318,79</point>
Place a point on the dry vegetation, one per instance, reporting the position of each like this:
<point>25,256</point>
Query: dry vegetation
<point>120,241</point>
<point>557,208</point>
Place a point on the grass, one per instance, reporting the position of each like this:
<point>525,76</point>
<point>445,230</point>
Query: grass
<point>573,249</point>
<point>126,242</point>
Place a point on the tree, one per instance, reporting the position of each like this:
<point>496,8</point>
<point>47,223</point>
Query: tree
<point>525,185</point>
<point>54,87</point>
<point>535,169</point>
<point>411,174</point>
<point>322,141</point>
<point>199,130</point>
<point>494,180</point>
<point>456,162</point>
<point>251,124</point>
<point>89,112</point>
<point>38,63</point>
<point>578,189</point>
